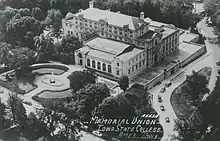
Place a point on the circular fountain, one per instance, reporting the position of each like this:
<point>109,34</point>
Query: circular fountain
<point>52,81</point>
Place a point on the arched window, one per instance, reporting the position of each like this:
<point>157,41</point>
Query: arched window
<point>80,55</point>
<point>103,67</point>
<point>99,66</point>
<point>88,62</point>
<point>109,69</point>
<point>93,63</point>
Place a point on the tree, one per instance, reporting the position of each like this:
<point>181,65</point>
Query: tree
<point>115,107</point>
<point>194,82</point>
<point>21,58</point>
<point>44,47</point>
<point>21,116</point>
<point>186,131</point>
<point>211,6</point>
<point>35,128</point>
<point>12,104</point>
<point>79,79</point>
<point>85,100</point>
<point>4,52</point>
<point>22,30</point>
<point>54,120</point>
<point>2,116</point>
<point>38,14</point>
<point>124,82</point>
<point>54,19</point>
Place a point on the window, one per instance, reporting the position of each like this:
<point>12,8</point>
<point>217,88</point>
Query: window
<point>88,62</point>
<point>144,62</point>
<point>76,34</point>
<point>136,66</point>
<point>117,72</point>
<point>117,64</point>
<point>129,71</point>
<point>132,60</point>
<point>120,33</point>
<point>76,22</point>
<point>80,23</point>
<point>85,24</point>
<point>139,64</point>
<point>99,66</point>
<point>116,37</point>
<point>95,27</point>
<point>132,68</point>
<point>109,69</point>
<point>103,67</point>
<point>66,24</point>
<point>140,56</point>
<point>90,22</point>
<point>93,63</point>
<point>103,34</point>
<point>68,32</point>
<point>90,26</point>
<point>131,36</point>
<point>71,32</point>
<point>70,25</point>
<point>136,58</point>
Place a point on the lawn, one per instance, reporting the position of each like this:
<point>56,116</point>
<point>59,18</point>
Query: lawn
<point>180,100</point>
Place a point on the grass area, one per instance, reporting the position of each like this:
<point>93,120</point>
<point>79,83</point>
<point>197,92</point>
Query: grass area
<point>180,100</point>
<point>59,94</point>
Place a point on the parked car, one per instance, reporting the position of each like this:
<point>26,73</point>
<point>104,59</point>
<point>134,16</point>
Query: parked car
<point>28,103</point>
<point>162,108</point>
<point>168,84</point>
<point>167,119</point>
<point>97,133</point>
<point>163,90</point>
<point>159,98</point>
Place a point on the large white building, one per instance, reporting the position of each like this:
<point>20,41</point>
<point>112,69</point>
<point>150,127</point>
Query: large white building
<point>125,45</point>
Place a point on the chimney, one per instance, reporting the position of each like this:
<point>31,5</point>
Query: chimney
<point>142,15</point>
<point>91,4</point>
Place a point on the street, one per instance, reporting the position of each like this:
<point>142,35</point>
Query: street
<point>207,60</point>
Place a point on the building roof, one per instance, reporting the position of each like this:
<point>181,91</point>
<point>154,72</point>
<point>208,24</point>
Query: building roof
<point>128,55</point>
<point>148,35</point>
<point>187,36</point>
<point>109,49</point>
<point>108,46</point>
<point>112,18</point>
<point>168,30</point>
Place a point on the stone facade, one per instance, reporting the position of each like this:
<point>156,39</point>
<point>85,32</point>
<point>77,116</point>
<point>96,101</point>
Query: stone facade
<point>156,42</point>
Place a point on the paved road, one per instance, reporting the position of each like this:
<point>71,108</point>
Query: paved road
<point>207,60</point>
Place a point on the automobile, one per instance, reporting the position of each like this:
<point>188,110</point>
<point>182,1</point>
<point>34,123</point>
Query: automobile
<point>173,61</point>
<point>167,119</point>
<point>159,99</point>
<point>168,84</point>
<point>28,103</point>
<point>163,90</point>
<point>1,91</point>
<point>162,108</point>
<point>97,133</point>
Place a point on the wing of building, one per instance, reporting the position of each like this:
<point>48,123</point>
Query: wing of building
<point>125,45</point>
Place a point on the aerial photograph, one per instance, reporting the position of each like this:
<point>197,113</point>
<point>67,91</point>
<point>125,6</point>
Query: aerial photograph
<point>109,70</point>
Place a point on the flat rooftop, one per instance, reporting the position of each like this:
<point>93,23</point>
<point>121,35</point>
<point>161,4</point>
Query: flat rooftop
<point>167,31</point>
<point>187,36</point>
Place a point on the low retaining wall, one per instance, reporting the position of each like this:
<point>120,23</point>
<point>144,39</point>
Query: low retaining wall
<point>170,71</point>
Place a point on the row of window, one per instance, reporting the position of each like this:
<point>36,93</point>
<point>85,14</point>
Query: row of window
<point>136,58</point>
<point>98,66</point>
<point>137,66</point>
